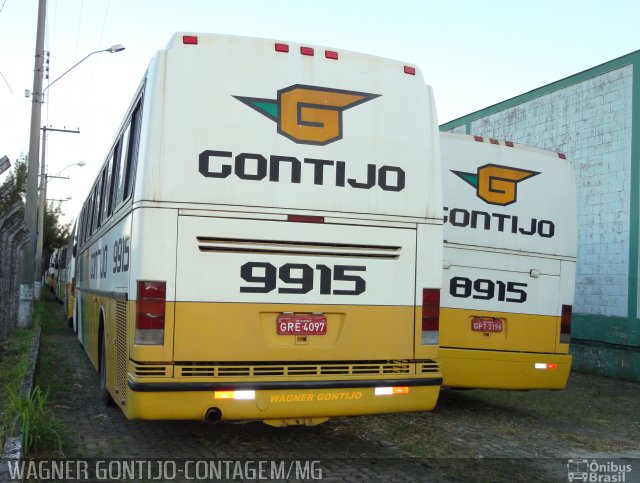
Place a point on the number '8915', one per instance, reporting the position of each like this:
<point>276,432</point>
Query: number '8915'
<point>484,289</point>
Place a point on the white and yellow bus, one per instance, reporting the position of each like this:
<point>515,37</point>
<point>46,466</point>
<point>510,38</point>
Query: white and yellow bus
<point>509,265</point>
<point>259,244</point>
<point>69,282</point>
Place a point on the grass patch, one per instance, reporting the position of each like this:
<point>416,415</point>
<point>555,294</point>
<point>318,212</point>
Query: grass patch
<point>607,405</point>
<point>14,360</point>
<point>413,433</point>
<point>53,372</point>
<point>41,433</point>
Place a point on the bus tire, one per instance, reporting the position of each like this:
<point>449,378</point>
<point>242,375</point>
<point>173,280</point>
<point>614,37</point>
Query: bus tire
<point>76,320</point>
<point>105,397</point>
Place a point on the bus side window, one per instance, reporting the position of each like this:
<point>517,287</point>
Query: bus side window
<point>80,226</point>
<point>106,190</point>
<point>90,214</point>
<point>94,210</point>
<point>113,184</point>
<point>85,222</point>
<point>85,215</point>
<point>119,167</point>
<point>132,155</point>
<point>98,201</point>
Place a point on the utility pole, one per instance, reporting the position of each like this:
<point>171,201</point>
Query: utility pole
<point>25,309</point>
<point>42,207</point>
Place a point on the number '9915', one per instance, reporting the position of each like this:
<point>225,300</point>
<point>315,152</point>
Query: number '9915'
<point>299,278</point>
<point>484,289</point>
<point>121,255</point>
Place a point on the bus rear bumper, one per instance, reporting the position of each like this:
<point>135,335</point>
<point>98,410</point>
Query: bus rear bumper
<point>304,402</point>
<point>481,369</point>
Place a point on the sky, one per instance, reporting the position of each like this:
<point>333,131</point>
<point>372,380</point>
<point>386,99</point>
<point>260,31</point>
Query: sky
<point>474,54</point>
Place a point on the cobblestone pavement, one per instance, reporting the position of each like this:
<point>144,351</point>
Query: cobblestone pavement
<point>471,436</point>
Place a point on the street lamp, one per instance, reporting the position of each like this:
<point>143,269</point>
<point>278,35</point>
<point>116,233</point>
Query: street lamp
<point>57,175</point>
<point>112,50</point>
<point>28,272</point>
<point>41,210</point>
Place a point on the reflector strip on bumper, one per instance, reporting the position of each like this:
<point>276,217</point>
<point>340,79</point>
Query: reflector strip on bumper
<point>257,386</point>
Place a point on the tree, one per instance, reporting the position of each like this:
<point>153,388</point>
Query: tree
<point>55,234</point>
<point>17,181</point>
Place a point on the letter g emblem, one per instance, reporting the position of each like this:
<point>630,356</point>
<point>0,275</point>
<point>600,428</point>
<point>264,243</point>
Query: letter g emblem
<point>313,115</point>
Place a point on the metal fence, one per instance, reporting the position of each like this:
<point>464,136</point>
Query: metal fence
<point>13,236</point>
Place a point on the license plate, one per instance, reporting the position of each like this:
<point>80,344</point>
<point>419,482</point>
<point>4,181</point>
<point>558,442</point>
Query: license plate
<point>301,324</point>
<point>486,324</point>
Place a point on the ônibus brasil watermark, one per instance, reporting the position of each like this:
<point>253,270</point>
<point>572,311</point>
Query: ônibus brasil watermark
<point>598,470</point>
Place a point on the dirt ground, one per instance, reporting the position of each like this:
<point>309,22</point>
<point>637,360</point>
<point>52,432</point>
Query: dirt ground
<point>472,435</point>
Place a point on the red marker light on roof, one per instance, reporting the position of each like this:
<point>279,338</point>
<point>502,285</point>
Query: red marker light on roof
<point>509,143</point>
<point>282,48</point>
<point>330,54</point>
<point>190,40</point>
<point>306,50</point>
<point>562,156</point>
<point>409,70</point>
<point>494,141</point>
<point>478,138</point>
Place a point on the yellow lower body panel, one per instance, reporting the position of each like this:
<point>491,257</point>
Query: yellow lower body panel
<point>69,303</point>
<point>482,369</point>
<point>287,406</point>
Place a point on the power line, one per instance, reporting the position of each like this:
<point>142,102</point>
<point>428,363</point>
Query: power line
<point>104,21</point>
<point>78,29</point>
<point>3,77</point>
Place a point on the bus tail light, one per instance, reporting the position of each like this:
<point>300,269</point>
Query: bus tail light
<point>565,324</point>
<point>391,391</point>
<point>238,395</point>
<point>430,315</point>
<point>150,309</point>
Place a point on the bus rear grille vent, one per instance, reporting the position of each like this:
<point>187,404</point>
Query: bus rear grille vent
<point>326,369</point>
<point>428,367</point>
<point>121,352</point>
<point>280,247</point>
<point>149,370</point>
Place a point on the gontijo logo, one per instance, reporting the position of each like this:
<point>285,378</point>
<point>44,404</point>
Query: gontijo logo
<point>308,114</point>
<point>496,184</point>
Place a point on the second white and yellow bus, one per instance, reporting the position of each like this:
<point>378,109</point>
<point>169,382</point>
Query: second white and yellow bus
<point>509,265</point>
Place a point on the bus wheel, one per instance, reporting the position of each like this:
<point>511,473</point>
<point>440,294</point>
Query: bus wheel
<point>105,397</point>
<point>76,320</point>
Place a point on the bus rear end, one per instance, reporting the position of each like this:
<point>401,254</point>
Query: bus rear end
<point>509,259</point>
<point>284,238</point>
